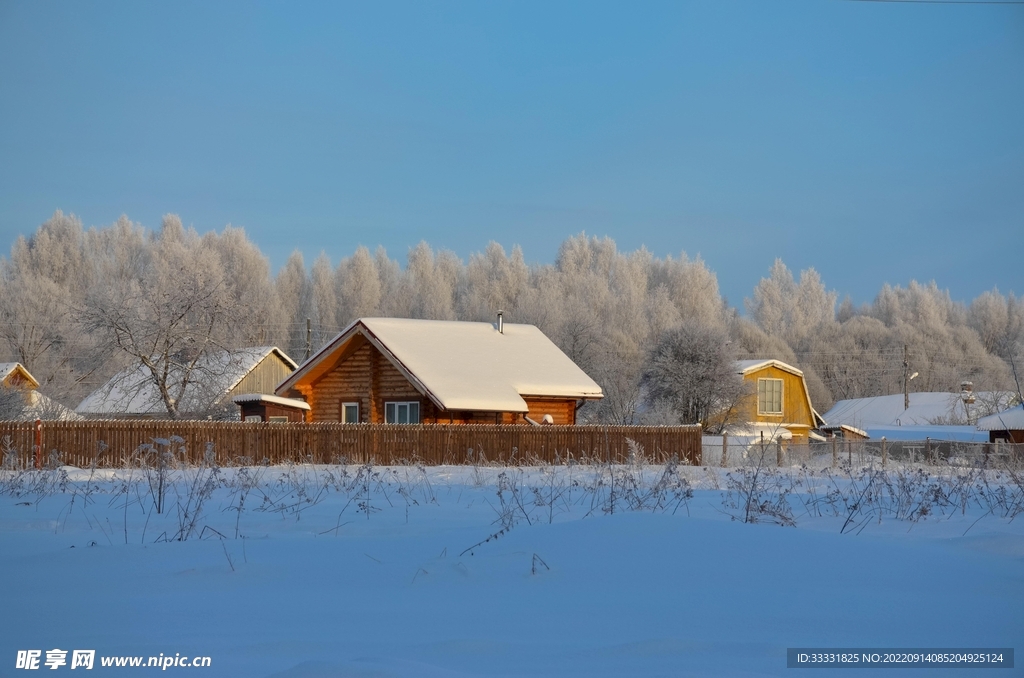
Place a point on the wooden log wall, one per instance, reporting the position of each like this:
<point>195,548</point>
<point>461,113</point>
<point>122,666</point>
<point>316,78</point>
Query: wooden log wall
<point>116,443</point>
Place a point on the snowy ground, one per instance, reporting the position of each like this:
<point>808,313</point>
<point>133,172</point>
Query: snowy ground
<point>316,572</point>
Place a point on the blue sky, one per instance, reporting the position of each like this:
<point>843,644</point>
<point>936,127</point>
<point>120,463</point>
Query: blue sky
<point>877,142</point>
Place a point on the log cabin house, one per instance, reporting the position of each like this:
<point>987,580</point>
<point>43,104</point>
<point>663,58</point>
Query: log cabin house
<point>403,371</point>
<point>778,404</point>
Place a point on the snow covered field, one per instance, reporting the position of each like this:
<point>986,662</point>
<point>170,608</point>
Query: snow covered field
<point>316,572</point>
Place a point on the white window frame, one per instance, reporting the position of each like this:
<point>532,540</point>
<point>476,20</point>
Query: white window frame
<point>277,419</point>
<point>763,395</point>
<point>397,406</point>
<point>344,408</point>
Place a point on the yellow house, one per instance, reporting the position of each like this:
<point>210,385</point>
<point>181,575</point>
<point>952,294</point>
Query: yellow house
<point>14,375</point>
<point>778,400</point>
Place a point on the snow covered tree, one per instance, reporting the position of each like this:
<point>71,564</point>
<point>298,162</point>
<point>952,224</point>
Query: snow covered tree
<point>692,373</point>
<point>295,295</point>
<point>168,314</point>
<point>358,287</point>
<point>785,308</point>
<point>325,303</point>
<point>246,275</point>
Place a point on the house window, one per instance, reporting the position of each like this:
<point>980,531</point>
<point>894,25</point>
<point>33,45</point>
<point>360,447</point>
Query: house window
<point>277,420</point>
<point>769,396</point>
<point>350,413</point>
<point>402,413</point>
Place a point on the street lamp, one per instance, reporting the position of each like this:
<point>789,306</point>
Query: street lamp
<point>907,377</point>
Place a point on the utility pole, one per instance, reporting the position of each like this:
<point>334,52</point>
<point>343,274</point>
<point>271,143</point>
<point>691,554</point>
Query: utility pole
<point>309,338</point>
<point>906,380</point>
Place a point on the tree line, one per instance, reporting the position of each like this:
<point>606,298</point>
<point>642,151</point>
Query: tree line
<point>78,305</point>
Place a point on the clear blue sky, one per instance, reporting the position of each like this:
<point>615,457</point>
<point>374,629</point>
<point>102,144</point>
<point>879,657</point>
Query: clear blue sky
<point>877,142</point>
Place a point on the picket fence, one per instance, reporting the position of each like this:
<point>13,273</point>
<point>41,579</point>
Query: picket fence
<point>117,443</point>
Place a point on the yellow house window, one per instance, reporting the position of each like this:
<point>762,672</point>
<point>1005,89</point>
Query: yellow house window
<point>769,396</point>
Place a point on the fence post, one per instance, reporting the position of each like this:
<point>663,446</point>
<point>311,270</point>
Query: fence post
<point>835,454</point>
<point>778,451</point>
<point>725,449</point>
<point>928,449</point>
<point>885,452</point>
<point>849,452</point>
<point>39,444</point>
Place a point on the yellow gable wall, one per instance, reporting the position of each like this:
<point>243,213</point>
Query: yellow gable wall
<point>795,408</point>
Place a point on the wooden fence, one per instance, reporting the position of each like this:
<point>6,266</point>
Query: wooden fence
<point>116,443</point>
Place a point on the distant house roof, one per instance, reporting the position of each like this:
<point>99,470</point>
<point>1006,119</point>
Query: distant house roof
<point>11,372</point>
<point>1009,420</point>
<point>132,391</point>
<point>31,405</point>
<point>748,366</point>
<point>462,365</point>
<point>925,409</point>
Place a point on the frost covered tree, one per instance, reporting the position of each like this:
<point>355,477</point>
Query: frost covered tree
<point>246,275</point>
<point>394,302</point>
<point>166,315</point>
<point>358,287</point>
<point>432,283</point>
<point>691,372</point>
<point>41,285</point>
<point>604,308</point>
<point>295,295</point>
<point>325,303</point>
<point>494,281</point>
<point>785,308</point>
<point>999,322</point>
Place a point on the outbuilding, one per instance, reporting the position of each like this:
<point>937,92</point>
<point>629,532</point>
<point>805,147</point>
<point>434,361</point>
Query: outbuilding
<point>1007,426</point>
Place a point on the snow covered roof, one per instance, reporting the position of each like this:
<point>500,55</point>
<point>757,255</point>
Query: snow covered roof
<point>276,400</point>
<point>32,405</point>
<point>963,434</point>
<point>748,366</point>
<point>925,408</point>
<point>463,365</point>
<point>1009,420</point>
<point>132,391</point>
<point>7,370</point>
